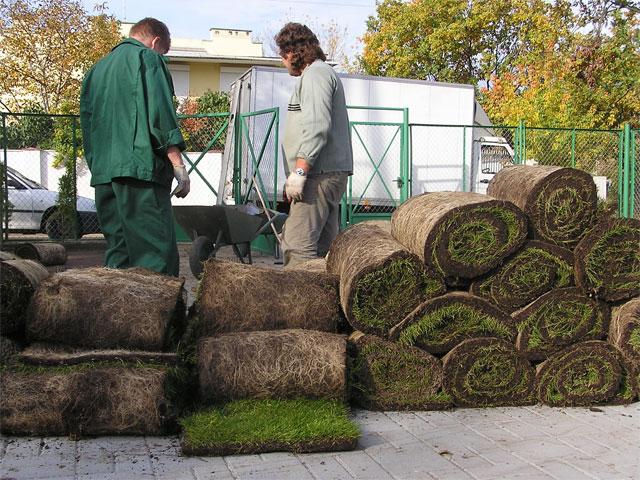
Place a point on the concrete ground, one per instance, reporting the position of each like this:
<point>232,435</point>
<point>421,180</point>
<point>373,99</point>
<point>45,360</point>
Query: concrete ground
<point>496,443</point>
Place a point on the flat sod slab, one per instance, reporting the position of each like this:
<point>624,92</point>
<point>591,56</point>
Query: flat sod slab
<point>386,375</point>
<point>558,319</point>
<point>106,308</point>
<point>586,373</point>
<point>55,355</point>
<point>608,260</point>
<point>260,426</point>
<point>86,399</point>
<point>536,269</point>
<point>561,203</point>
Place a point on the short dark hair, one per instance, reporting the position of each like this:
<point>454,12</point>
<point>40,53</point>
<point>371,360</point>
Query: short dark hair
<point>302,42</point>
<point>150,27</point>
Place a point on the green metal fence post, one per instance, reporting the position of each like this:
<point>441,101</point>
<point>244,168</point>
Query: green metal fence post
<point>620,170</point>
<point>404,154</point>
<point>275,156</point>
<point>626,175</point>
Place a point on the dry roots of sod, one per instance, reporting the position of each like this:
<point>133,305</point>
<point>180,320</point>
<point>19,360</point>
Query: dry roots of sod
<point>558,319</point>
<point>385,375</point>
<point>380,281</point>
<point>441,323</point>
<point>274,364</point>
<point>534,270</point>
<point>56,355</point>
<point>488,372</point>
<point>102,308</point>
<point>18,280</point>
<point>624,331</point>
<point>82,400</point>
<point>463,235</point>
<point>584,374</point>
<point>234,298</point>
<point>45,253</point>
<point>9,351</point>
<point>561,203</point>
<point>608,260</point>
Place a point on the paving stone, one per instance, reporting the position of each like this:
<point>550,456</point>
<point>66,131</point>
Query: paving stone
<point>21,447</point>
<point>324,467</point>
<point>116,476</point>
<point>133,464</point>
<point>360,465</point>
<point>602,471</point>
<point>163,445</point>
<point>563,471</point>
<point>411,460</point>
<point>287,472</point>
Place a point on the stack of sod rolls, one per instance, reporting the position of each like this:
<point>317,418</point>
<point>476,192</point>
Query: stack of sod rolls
<point>528,276</point>
<point>270,362</point>
<point>99,355</point>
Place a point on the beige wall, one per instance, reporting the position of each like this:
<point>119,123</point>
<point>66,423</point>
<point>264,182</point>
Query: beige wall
<point>203,77</point>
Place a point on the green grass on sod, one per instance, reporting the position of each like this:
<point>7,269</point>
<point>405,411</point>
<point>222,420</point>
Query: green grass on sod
<point>255,426</point>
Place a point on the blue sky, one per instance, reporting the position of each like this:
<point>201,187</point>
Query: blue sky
<point>193,18</point>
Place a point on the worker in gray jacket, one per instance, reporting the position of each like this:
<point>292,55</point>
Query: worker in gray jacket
<point>316,145</point>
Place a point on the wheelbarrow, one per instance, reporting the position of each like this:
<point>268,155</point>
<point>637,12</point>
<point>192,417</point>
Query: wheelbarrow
<point>212,227</point>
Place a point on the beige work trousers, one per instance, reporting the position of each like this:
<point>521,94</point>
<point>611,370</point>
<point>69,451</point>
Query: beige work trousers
<point>314,222</point>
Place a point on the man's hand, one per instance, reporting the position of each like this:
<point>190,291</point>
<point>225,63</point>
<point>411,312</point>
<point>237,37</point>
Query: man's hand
<point>294,186</point>
<point>184,184</point>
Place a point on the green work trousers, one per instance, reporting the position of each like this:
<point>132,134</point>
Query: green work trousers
<point>137,222</point>
<point>314,222</point>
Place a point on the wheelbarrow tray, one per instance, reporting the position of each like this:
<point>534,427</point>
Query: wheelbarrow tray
<point>232,221</point>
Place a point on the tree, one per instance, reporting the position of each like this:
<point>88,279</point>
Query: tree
<point>458,40</point>
<point>332,37</point>
<point>46,48</point>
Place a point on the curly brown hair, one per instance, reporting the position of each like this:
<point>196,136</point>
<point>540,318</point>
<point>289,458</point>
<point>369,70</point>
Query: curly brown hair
<point>302,42</point>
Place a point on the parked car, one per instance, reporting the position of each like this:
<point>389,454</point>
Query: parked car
<point>34,208</point>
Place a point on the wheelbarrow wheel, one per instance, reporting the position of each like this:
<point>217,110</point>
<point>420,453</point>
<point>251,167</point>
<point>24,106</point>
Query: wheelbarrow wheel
<point>202,248</point>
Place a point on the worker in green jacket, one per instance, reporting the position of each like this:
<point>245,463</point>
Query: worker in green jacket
<point>317,147</point>
<point>132,145</point>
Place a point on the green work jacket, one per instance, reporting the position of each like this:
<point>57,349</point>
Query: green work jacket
<point>127,116</point>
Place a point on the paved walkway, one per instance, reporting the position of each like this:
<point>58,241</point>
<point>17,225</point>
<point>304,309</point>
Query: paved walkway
<point>500,443</point>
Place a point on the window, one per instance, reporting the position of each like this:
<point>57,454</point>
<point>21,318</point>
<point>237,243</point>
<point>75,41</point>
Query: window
<point>228,75</point>
<point>180,76</point>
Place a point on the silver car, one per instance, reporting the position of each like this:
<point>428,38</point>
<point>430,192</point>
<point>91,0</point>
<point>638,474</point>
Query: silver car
<point>33,208</point>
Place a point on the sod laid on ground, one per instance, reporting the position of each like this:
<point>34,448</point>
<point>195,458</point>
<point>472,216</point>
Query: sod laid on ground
<point>256,426</point>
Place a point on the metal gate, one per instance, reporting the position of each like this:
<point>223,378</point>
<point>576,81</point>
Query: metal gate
<point>380,180</point>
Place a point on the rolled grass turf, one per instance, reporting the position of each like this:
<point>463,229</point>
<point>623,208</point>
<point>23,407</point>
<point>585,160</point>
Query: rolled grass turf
<point>281,364</point>
<point>7,256</point>
<point>261,426</point>
<point>624,331</point>
<point>386,375</point>
<point>586,373</point>
<point>441,323</point>
<point>86,399</point>
<point>57,355</point>
<point>101,308</point>
<point>380,281</point>
<point>608,260</point>
<point>234,298</point>
<point>561,203</point>
<point>532,271</point>
<point>18,281</point>
<point>47,254</point>
<point>488,372</point>
<point>558,319</point>
<point>462,235</point>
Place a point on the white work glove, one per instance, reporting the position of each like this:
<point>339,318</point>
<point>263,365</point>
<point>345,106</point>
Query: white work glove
<point>294,185</point>
<point>184,184</point>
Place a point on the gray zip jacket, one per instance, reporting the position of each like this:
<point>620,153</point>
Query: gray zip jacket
<point>317,125</point>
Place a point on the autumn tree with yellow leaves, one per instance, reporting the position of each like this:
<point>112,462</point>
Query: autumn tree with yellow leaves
<point>46,46</point>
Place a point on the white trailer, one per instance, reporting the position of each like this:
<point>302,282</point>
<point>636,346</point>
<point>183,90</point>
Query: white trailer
<point>446,140</point>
